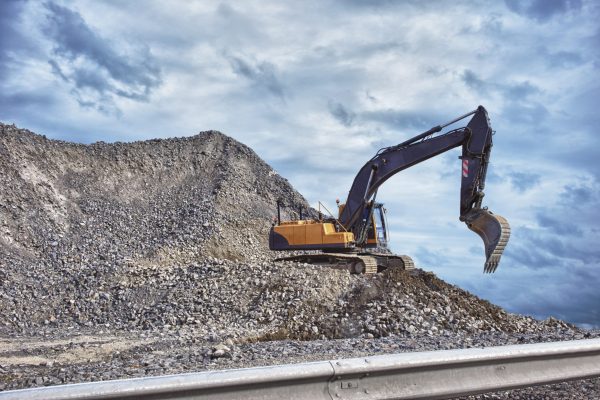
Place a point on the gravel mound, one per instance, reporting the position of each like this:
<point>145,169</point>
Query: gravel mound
<point>75,218</point>
<point>255,302</point>
<point>66,203</point>
<point>154,255</point>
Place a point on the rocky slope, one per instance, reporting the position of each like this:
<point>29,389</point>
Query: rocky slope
<point>70,213</point>
<point>146,241</point>
<point>172,198</point>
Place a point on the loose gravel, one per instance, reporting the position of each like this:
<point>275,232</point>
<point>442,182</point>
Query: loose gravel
<point>150,258</point>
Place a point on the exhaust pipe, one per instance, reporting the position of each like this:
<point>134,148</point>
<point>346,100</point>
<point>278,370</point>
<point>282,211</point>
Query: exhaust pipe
<point>495,232</point>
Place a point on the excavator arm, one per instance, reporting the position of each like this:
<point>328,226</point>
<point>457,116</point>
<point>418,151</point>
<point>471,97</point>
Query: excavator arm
<point>476,141</point>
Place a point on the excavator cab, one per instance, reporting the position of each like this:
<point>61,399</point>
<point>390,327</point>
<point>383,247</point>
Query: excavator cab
<point>377,232</point>
<point>381,226</point>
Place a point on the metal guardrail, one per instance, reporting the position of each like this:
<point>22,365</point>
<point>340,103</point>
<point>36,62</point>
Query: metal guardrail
<point>426,375</point>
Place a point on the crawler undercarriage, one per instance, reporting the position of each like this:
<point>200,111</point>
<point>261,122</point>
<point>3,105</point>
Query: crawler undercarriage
<point>356,263</point>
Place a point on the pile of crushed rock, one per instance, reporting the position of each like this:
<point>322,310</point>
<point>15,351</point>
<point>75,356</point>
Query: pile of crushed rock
<point>164,241</point>
<point>253,301</point>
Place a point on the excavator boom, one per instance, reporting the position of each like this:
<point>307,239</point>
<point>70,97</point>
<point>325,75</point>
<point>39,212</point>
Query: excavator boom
<point>476,141</point>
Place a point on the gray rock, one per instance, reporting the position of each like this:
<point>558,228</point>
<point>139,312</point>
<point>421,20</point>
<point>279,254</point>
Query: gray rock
<point>160,247</point>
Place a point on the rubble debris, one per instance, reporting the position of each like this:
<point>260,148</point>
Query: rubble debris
<point>159,248</point>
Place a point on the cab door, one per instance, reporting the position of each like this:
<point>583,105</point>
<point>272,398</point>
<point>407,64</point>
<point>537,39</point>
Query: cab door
<point>381,225</point>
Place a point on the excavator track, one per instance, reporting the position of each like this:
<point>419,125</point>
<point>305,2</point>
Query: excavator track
<point>408,263</point>
<point>366,263</point>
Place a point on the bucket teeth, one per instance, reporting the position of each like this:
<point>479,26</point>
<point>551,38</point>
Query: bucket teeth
<point>495,232</point>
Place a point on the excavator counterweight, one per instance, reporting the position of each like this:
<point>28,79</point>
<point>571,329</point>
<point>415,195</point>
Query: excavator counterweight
<point>358,237</point>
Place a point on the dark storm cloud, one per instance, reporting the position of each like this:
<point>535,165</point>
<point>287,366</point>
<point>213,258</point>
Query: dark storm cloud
<point>12,41</point>
<point>520,90</point>
<point>26,106</point>
<point>564,239</point>
<point>541,249</point>
<point>473,81</point>
<point>512,91</point>
<point>341,113</point>
<point>90,78</point>
<point>574,297</point>
<point>582,309</point>
<point>9,12</point>
<point>262,74</point>
<point>575,195</point>
<point>571,251</point>
<point>559,226</point>
<point>523,181</point>
<point>522,251</point>
<point>542,10</point>
<point>16,102</point>
<point>17,49</point>
<point>90,62</point>
<point>529,114</point>
<point>580,131</point>
<point>520,106</point>
<point>531,257</point>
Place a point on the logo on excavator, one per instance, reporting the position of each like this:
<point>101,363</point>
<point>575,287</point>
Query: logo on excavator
<point>465,168</point>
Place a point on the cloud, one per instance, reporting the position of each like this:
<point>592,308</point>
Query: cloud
<point>13,102</point>
<point>562,59</point>
<point>12,42</point>
<point>523,253</point>
<point>427,258</point>
<point>558,226</point>
<point>471,79</point>
<point>523,181</point>
<point>403,119</point>
<point>556,243</point>
<point>542,10</point>
<point>98,69</point>
<point>530,114</point>
<point>579,194</point>
<point>514,91</point>
<point>262,74</point>
<point>573,295</point>
<point>341,113</point>
<point>520,90</point>
<point>518,99</point>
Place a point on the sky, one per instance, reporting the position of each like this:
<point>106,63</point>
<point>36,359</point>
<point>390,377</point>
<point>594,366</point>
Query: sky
<point>317,87</point>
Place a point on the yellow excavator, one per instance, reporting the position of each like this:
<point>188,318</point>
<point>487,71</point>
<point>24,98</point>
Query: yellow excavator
<point>357,239</point>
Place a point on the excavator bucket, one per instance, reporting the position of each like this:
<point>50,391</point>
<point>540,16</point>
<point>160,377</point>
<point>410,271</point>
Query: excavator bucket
<point>494,230</point>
